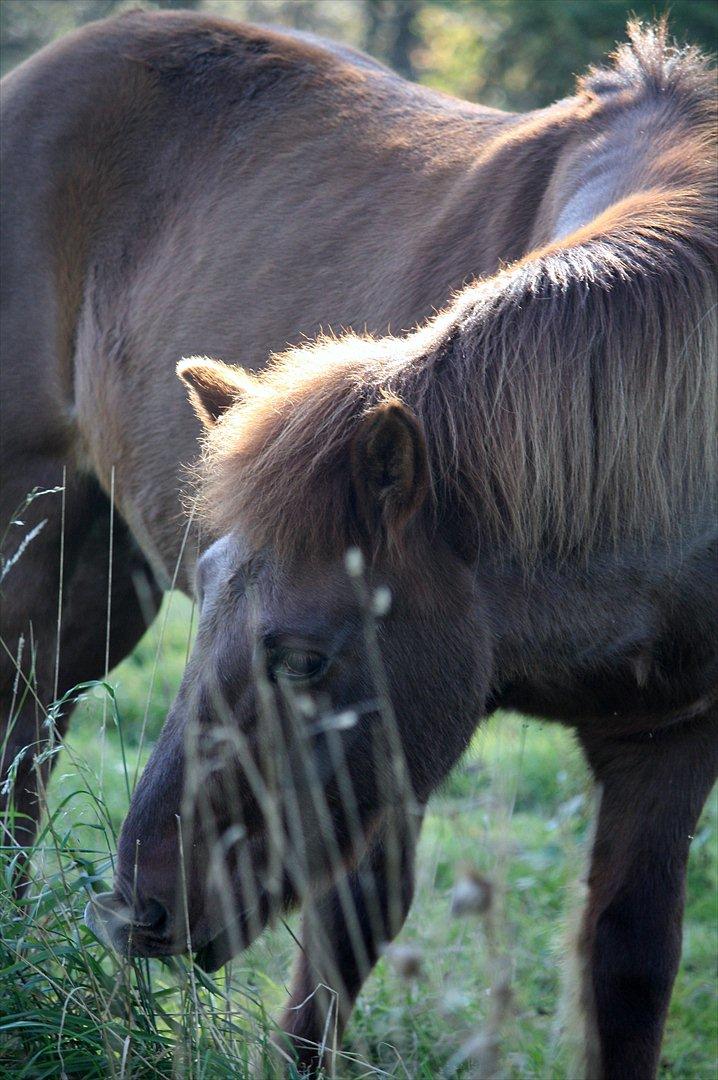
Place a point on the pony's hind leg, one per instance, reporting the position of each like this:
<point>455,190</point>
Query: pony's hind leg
<point>37,598</point>
<point>344,932</point>
<point>653,789</point>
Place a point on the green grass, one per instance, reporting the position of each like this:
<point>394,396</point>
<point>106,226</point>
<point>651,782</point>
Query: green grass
<point>517,809</point>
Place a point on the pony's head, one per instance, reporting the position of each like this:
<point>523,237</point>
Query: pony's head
<point>340,664</point>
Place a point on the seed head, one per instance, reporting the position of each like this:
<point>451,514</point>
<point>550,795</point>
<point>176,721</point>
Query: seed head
<point>473,893</point>
<point>354,562</point>
<point>405,959</point>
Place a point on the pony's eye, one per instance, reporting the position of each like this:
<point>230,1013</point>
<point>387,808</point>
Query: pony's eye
<point>296,665</point>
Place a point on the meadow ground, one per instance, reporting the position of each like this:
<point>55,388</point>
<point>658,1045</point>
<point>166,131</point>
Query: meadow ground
<point>517,810</point>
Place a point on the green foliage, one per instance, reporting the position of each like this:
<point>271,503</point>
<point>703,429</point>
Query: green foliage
<point>520,54</point>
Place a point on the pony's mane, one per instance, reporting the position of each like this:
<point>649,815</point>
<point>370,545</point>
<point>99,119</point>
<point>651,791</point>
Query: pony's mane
<point>649,64</point>
<point>569,401</point>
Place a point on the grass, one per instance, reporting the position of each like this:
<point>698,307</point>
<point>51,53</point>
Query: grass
<point>517,810</point>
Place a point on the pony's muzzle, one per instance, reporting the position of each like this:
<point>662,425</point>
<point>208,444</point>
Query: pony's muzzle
<point>125,930</point>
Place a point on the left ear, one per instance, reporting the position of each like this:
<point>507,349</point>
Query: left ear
<point>212,387</point>
<point>390,467</point>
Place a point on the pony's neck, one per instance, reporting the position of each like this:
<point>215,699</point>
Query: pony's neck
<point>655,143</point>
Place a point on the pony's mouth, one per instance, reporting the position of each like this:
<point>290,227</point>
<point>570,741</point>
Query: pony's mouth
<point>230,940</point>
<point>215,954</point>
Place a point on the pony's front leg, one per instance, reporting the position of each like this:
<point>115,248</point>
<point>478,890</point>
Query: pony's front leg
<point>653,788</point>
<point>344,932</point>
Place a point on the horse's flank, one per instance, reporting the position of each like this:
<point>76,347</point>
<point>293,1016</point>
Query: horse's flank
<point>569,400</point>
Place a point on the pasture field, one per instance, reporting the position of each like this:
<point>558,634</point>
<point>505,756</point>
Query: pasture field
<point>517,810</point>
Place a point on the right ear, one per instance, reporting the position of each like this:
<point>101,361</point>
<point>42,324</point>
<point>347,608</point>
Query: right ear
<point>213,387</point>
<point>390,466</point>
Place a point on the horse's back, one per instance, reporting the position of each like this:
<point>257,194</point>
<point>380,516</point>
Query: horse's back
<point>130,145</point>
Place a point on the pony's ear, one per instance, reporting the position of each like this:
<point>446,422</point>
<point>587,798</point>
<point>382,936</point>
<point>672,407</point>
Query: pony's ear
<point>212,386</point>
<point>390,468</point>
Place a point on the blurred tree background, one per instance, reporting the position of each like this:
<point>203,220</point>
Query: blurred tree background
<point>514,54</point>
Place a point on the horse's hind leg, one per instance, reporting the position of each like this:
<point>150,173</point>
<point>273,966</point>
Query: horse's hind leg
<point>652,791</point>
<point>344,932</point>
<point>33,669</point>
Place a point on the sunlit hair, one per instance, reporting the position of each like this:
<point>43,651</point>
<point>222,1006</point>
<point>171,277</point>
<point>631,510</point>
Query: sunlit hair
<point>568,401</point>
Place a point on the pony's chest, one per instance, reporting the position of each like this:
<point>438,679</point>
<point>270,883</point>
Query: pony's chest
<point>628,652</point>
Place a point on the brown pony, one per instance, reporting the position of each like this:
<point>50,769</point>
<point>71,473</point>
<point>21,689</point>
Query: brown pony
<point>525,484</point>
